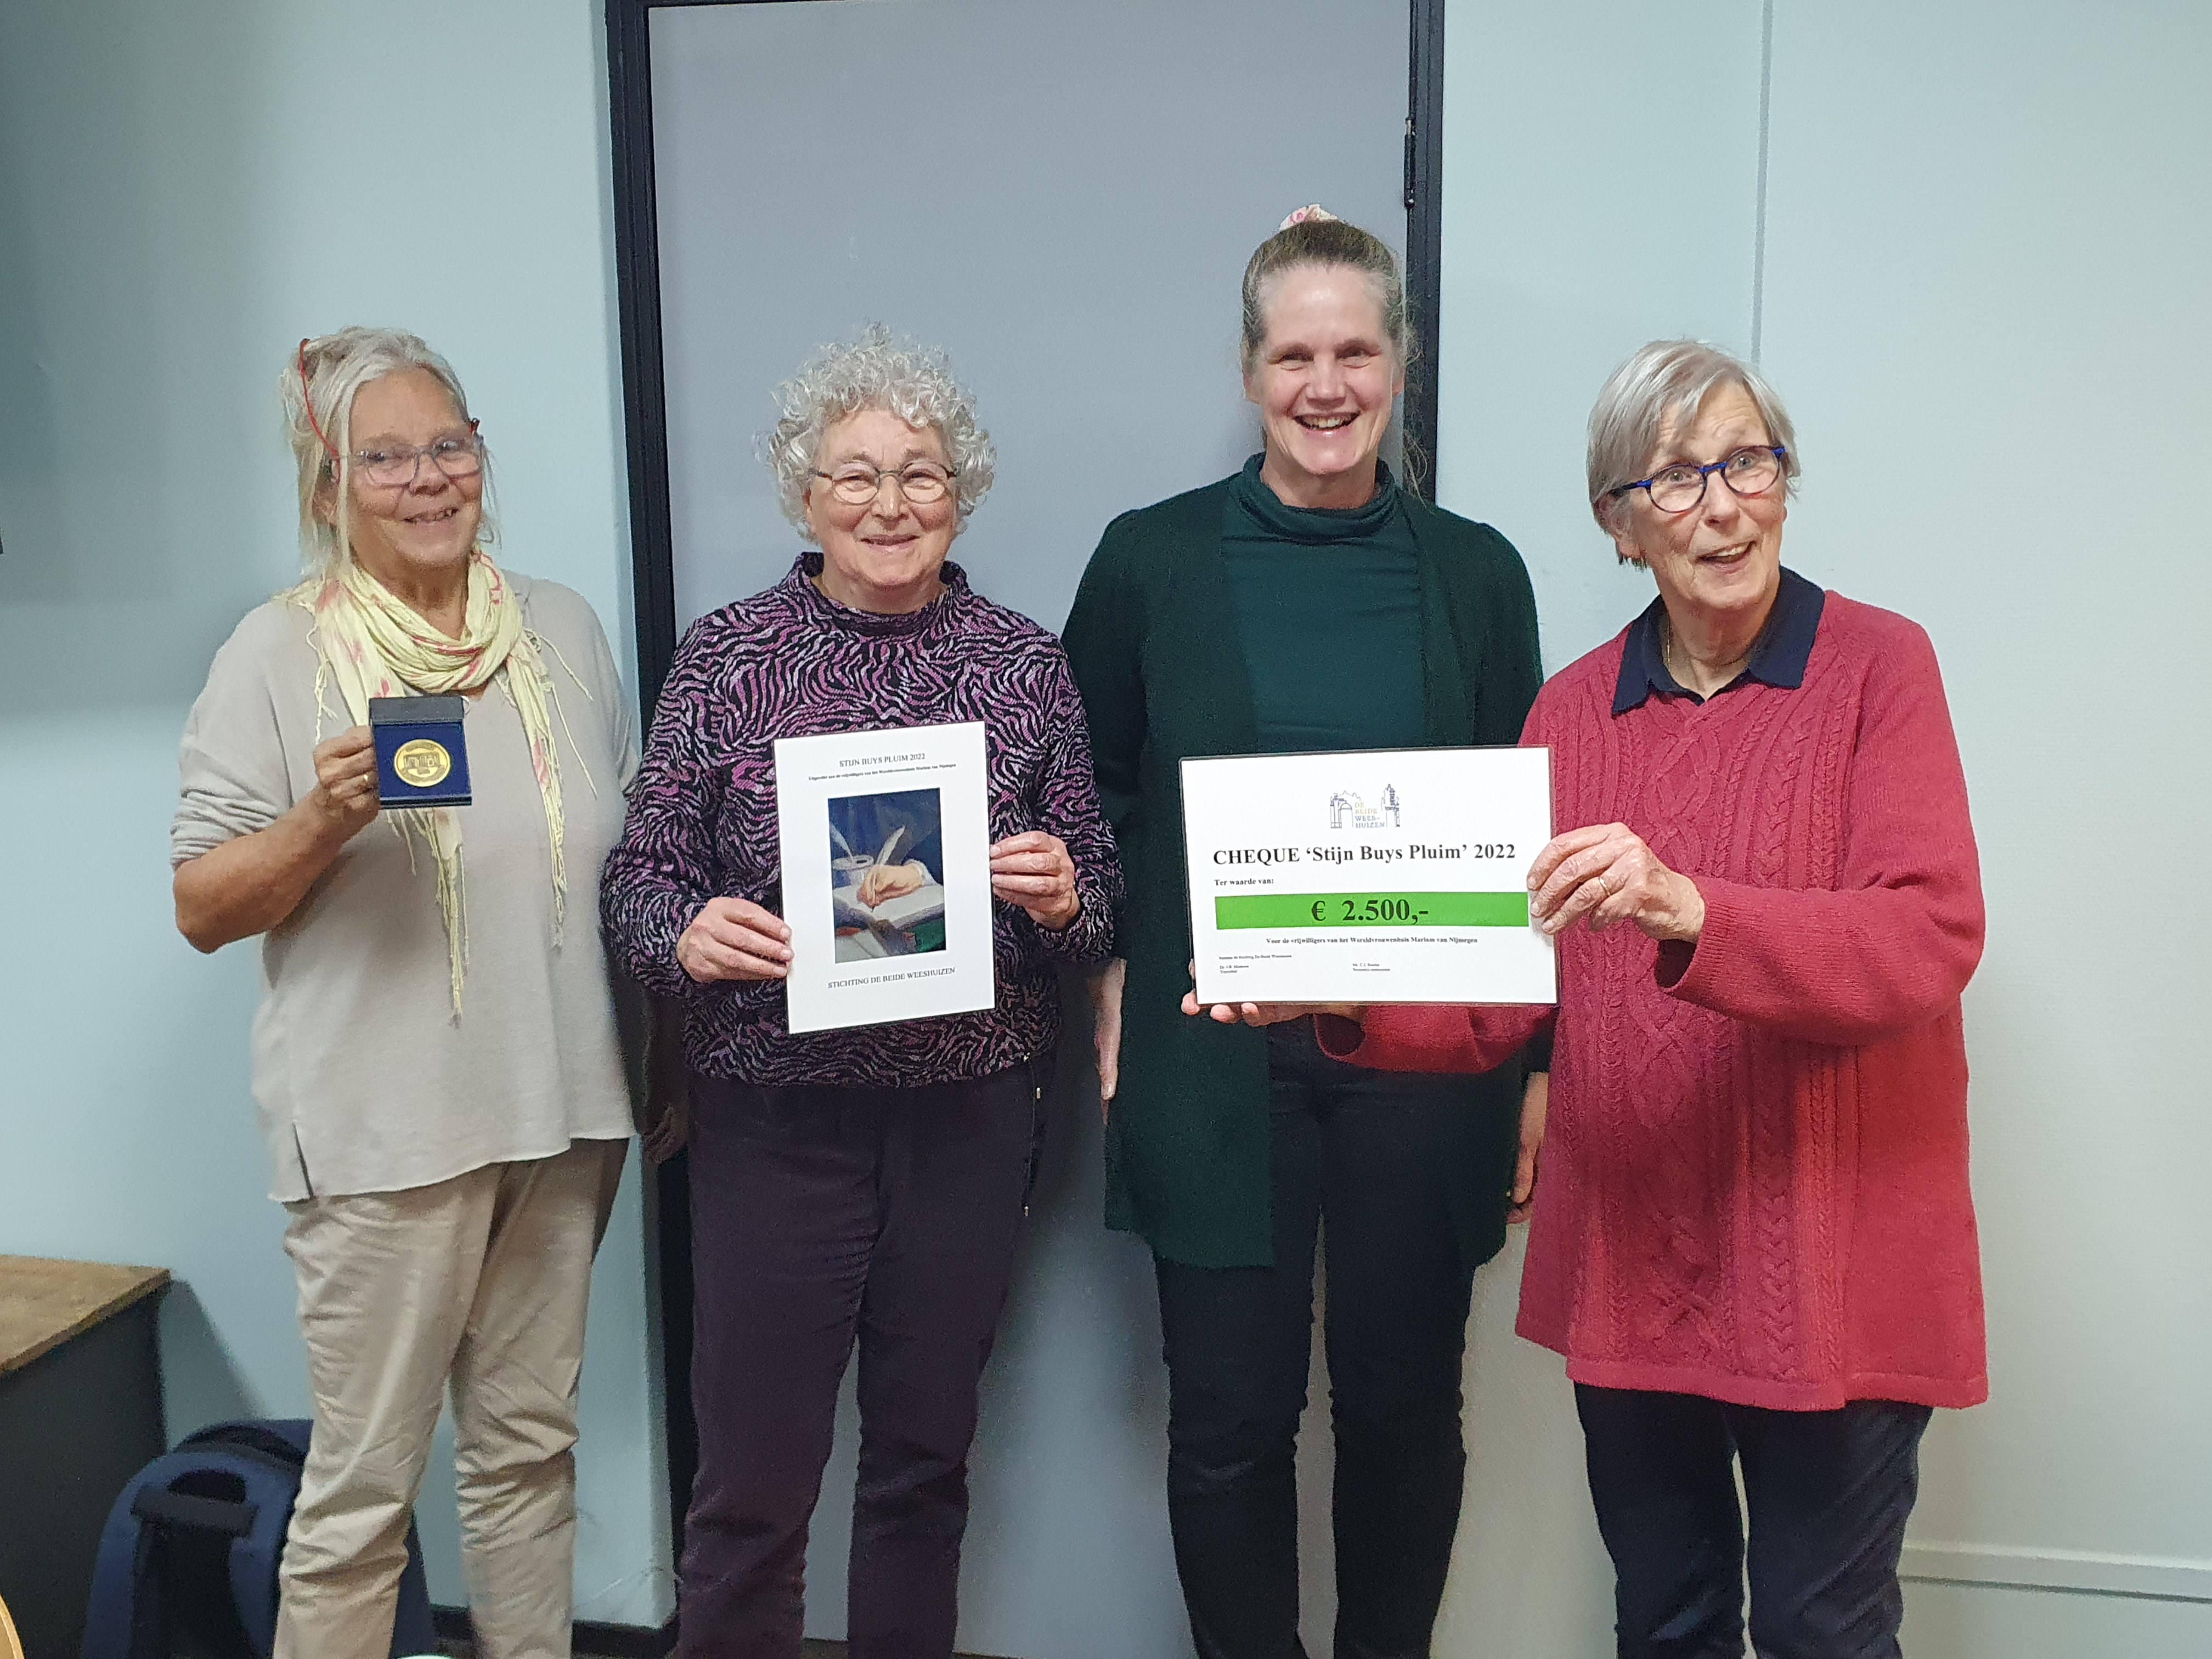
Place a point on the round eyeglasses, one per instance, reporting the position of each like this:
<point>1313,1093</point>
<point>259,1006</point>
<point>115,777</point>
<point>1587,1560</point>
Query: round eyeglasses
<point>1677,488</point>
<point>457,455</point>
<point>921,483</point>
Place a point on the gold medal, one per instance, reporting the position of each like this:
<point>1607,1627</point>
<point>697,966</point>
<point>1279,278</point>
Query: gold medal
<point>422,762</point>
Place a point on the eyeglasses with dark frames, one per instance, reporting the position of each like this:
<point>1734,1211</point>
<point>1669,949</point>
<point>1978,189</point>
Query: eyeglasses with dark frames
<point>1674,490</point>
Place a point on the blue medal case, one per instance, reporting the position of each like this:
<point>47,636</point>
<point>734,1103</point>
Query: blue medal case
<point>421,759</point>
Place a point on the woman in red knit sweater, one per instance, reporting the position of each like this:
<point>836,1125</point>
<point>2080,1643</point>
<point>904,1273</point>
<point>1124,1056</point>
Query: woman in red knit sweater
<point>1755,1237</point>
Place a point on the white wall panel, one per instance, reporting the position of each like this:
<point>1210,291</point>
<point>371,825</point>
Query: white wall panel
<point>1961,1621</point>
<point>1988,260</point>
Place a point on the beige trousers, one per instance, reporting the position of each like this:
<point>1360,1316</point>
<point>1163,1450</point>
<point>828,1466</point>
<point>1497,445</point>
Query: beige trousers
<point>481,1281</point>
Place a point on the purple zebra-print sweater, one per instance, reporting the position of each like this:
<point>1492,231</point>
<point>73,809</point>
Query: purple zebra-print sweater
<point>791,662</point>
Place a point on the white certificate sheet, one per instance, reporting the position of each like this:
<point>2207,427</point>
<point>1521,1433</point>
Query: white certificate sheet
<point>1397,875</point>
<point>886,846</point>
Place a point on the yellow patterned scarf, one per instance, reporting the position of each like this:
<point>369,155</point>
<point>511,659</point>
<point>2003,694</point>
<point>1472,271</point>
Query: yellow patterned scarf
<point>374,645</point>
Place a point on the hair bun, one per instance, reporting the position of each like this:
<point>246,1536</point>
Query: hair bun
<point>1311,212</point>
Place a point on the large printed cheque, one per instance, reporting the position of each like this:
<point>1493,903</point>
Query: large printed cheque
<point>1393,875</point>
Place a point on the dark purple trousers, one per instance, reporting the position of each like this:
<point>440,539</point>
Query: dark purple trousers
<point>821,1216</point>
<point>1829,1495</point>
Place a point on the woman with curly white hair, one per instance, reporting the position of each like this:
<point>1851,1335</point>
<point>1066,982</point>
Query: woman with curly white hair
<point>443,1090</point>
<point>859,1185</point>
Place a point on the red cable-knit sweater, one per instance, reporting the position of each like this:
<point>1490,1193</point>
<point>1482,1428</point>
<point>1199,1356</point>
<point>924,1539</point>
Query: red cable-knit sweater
<point>1754,1185</point>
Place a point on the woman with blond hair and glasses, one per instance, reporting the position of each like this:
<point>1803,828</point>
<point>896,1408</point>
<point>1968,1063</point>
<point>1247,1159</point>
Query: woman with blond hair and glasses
<point>443,1090</point>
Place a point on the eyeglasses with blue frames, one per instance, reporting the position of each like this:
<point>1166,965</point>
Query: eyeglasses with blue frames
<point>1677,488</point>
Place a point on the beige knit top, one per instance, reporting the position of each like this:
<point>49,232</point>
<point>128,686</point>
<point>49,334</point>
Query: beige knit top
<point>364,1080</point>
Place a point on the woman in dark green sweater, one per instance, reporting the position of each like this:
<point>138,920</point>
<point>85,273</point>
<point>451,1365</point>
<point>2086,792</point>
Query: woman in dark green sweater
<point>1306,604</point>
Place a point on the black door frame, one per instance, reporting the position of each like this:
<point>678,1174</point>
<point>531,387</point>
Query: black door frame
<point>644,417</point>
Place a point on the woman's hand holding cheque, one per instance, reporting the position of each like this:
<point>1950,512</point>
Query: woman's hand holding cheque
<point>1265,1013</point>
<point>1607,873</point>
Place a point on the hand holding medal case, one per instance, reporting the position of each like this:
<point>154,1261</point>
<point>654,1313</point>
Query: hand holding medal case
<point>421,759</point>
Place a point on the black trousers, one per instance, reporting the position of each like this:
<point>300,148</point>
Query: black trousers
<point>1361,1153</point>
<point>1829,1495</point>
<point>820,1217</point>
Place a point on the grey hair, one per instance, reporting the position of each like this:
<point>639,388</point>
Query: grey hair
<point>1668,380</point>
<point>912,381</point>
<point>324,376</point>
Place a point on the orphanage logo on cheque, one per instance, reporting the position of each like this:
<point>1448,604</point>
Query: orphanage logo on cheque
<point>1349,810</point>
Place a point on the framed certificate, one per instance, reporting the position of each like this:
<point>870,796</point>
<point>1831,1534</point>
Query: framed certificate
<point>885,839</point>
<point>1393,875</point>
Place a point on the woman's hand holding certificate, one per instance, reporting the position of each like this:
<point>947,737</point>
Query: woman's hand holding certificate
<point>734,938</point>
<point>1033,871</point>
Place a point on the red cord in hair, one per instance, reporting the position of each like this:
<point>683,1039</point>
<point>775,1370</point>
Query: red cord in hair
<point>308,398</point>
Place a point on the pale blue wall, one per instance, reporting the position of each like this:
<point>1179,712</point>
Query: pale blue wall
<point>1985,235</point>
<point>1601,187</point>
<point>184,190</point>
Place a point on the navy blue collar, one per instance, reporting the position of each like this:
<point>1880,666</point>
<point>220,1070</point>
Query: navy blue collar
<point>1779,658</point>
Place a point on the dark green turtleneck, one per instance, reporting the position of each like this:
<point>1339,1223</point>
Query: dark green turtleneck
<point>1328,610</point>
<point>1152,638</point>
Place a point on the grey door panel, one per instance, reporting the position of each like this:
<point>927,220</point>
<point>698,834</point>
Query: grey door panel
<point>1063,197</point>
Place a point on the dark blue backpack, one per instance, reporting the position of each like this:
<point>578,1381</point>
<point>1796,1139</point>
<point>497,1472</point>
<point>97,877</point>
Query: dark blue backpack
<point>188,1558</point>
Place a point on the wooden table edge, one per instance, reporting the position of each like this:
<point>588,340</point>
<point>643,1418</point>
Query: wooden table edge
<point>143,1283</point>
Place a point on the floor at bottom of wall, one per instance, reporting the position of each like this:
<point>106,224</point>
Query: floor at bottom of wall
<point>814,1651</point>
